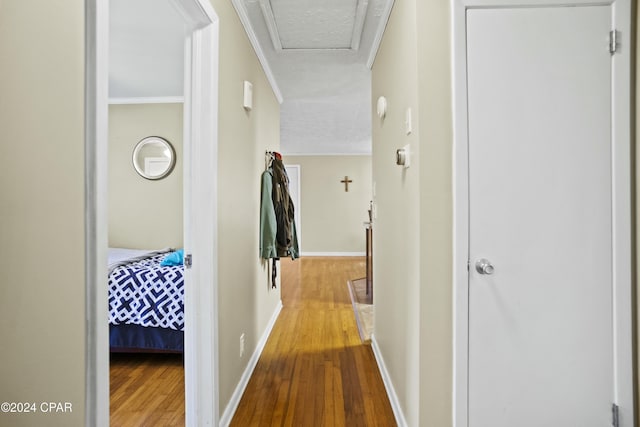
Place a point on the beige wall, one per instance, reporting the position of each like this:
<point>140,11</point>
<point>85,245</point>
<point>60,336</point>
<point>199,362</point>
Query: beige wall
<point>414,210</point>
<point>331,219</point>
<point>397,224</point>
<point>436,218</point>
<point>246,300</point>
<point>42,209</point>
<point>144,214</point>
<point>394,76</point>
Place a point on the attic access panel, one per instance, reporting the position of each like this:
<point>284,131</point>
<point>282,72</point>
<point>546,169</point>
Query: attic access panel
<point>309,24</point>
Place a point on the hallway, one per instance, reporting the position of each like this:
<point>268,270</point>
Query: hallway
<point>314,371</point>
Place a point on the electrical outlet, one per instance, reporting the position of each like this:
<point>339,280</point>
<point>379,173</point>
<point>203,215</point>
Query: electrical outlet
<point>242,345</point>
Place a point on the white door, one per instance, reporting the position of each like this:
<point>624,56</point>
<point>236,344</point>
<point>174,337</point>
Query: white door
<point>293,172</point>
<point>540,179</point>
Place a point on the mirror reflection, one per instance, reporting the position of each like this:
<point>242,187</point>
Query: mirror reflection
<point>154,157</point>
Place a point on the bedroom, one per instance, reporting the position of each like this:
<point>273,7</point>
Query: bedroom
<point>145,209</point>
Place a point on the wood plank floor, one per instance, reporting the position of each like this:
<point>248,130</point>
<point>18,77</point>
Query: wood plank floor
<point>314,370</point>
<point>146,390</point>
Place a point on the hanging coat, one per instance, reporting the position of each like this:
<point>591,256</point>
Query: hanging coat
<point>268,224</point>
<point>274,241</point>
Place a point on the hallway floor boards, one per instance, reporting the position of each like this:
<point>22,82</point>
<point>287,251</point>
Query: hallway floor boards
<point>314,370</point>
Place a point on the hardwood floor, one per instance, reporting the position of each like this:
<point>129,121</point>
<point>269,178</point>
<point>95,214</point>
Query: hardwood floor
<point>146,390</point>
<point>314,370</point>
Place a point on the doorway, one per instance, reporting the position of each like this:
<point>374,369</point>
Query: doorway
<point>200,148</point>
<point>293,172</point>
<point>543,312</point>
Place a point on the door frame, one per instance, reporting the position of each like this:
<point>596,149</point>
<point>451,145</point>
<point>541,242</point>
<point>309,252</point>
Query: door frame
<point>297,204</point>
<point>200,184</point>
<point>623,393</point>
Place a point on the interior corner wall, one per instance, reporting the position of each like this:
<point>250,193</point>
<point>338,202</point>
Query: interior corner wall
<point>436,207</point>
<point>144,214</point>
<point>397,225</point>
<point>42,237</point>
<point>332,218</point>
<point>246,301</point>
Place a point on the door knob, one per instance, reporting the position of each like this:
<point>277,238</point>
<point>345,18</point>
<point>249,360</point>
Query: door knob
<point>483,266</point>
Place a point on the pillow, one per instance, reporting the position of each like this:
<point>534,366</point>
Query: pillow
<point>173,259</point>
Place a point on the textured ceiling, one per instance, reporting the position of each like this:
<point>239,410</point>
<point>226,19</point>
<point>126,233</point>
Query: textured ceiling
<point>311,24</point>
<point>317,50</point>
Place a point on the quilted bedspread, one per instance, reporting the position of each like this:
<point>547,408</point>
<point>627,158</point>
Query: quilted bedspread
<point>146,294</point>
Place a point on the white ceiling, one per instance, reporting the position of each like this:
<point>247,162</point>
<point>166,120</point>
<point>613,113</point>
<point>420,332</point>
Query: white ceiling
<point>317,51</point>
<point>309,24</point>
<point>146,52</point>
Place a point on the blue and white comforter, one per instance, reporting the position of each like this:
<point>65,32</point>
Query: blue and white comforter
<point>146,294</point>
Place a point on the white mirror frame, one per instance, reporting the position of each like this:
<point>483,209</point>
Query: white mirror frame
<point>167,163</point>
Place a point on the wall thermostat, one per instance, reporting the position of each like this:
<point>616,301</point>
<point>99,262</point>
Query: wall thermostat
<point>403,156</point>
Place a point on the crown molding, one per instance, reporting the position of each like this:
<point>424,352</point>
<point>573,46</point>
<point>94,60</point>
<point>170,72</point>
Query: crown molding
<point>270,20</point>
<point>358,26</point>
<point>382,26</point>
<point>147,100</point>
<point>253,38</point>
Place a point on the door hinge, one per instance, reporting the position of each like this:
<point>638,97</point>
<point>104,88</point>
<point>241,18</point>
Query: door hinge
<point>188,260</point>
<point>615,418</point>
<point>613,41</point>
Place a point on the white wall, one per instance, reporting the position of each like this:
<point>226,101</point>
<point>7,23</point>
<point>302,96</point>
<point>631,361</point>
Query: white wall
<point>332,219</point>
<point>144,214</point>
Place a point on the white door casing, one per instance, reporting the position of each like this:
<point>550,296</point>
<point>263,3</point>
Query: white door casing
<point>493,314</point>
<point>293,172</point>
<point>200,202</point>
<point>201,212</point>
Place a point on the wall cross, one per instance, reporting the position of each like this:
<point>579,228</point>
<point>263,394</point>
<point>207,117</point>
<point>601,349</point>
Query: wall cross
<point>346,182</point>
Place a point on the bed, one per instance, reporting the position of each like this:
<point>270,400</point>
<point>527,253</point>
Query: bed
<point>146,301</point>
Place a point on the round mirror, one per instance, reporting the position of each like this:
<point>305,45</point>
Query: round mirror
<point>154,157</point>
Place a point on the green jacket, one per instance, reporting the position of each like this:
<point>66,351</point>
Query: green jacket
<point>268,223</point>
<point>268,226</point>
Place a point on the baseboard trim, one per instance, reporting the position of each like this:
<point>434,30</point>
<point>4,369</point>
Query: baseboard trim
<point>388,385</point>
<point>332,254</point>
<point>231,408</point>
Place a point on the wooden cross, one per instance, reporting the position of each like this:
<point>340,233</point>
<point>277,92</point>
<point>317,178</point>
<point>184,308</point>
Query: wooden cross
<point>346,182</point>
